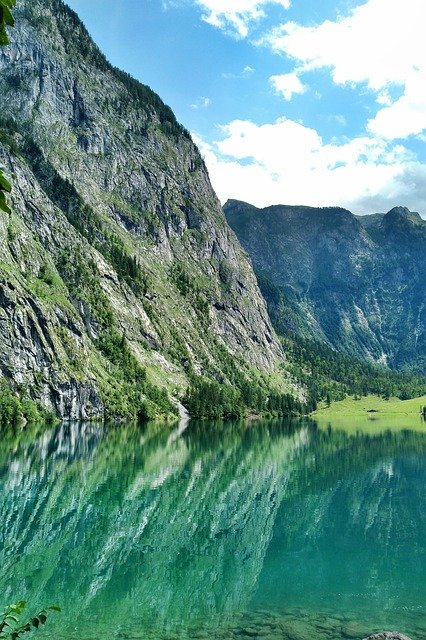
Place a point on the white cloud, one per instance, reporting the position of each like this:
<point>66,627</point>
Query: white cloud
<point>384,98</point>
<point>378,47</point>
<point>244,73</point>
<point>405,116</point>
<point>340,119</point>
<point>239,18</point>
<point>380,44</point>
<point>288,84</point>
<point>201,103</point>
<point>286,162</point>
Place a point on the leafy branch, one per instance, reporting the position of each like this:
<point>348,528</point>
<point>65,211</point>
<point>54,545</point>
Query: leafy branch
<point>6,19</point>
<point>10,626</point>
<point>4,186</point>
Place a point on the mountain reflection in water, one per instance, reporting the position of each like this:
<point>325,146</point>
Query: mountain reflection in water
<point>148,529</point>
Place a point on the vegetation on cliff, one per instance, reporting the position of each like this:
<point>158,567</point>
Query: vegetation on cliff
<point>209,399</point>
<point>16,408</point>
<point>329,375</point>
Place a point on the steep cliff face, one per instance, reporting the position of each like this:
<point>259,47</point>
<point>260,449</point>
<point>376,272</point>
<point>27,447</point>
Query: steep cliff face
<point>115,232</point>
<point>354,282</point>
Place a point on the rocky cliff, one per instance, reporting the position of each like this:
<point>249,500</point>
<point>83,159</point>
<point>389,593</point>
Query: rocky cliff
<point>356,283</point>
<point>116,255</point>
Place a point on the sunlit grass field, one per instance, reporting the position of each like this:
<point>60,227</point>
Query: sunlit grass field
<point>373,413</point>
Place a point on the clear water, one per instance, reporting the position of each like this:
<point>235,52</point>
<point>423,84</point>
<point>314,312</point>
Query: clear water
<point>270,529</point>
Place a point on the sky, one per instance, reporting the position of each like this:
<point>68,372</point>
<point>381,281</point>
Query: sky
<point>315,102</point>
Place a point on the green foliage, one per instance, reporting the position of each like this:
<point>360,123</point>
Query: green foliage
<point>225,274</point>
<point>49,276</point>
<point>10,407</point>
<point>10,625</point>
<point>243,391</point>
<point>330,375</point>
<point>207,399</point>
<point>4,187</point>
<point>6,19</point>
<point>181,278</point>
<point>284,404</point>
<point>220,399</point>
<point>189,288</point>
<point>142,400</point>
<point>16,408</point>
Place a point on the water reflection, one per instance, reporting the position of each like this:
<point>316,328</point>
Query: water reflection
<point>143,528</point>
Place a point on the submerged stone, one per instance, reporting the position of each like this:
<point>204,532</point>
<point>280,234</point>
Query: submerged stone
<point>388,635</point>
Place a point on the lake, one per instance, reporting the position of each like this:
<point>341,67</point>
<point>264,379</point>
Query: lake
<point>270,529</point>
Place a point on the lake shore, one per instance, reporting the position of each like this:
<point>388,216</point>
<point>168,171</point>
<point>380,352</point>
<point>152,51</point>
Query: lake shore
<point>373,413</point>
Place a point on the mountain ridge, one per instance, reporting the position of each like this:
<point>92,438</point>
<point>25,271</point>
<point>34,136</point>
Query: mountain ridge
<point>354,283</point>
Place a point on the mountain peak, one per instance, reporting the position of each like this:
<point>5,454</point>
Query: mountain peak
<point>400,211</point>
<point>401,216</point>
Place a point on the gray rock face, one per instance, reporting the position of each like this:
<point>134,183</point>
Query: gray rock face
<point>354,282</point>
<point>31,354</point>
<point>98,160</point>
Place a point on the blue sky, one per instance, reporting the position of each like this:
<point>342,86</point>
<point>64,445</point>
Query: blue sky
<point>290,101</point>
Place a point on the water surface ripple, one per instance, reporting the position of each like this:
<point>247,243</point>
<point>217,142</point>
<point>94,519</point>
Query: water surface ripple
<point>270,529</point>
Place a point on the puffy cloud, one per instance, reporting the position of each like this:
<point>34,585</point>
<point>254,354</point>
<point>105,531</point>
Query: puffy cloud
<point>381,41</point>
<point>286,162</point>
<point>380,44</point>
<point>288,84</point>
<point>237,19</point>
<point>405,116</point>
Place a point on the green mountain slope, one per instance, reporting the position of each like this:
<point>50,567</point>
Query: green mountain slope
<point>355,283</point>
<point>118,272</point>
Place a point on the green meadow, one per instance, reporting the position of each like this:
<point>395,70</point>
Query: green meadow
<point>373,413</point>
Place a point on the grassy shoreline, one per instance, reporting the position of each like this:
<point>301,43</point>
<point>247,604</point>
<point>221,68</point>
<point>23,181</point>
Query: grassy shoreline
<point>372,404</point>
<point>372,414</point>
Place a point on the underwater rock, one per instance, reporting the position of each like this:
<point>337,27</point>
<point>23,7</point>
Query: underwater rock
<point>388,635</point>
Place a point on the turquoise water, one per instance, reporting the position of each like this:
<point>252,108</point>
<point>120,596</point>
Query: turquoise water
<point>271,529</point>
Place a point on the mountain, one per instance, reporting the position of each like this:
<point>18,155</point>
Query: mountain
<point>356,283</point>
<point>119,274</point>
